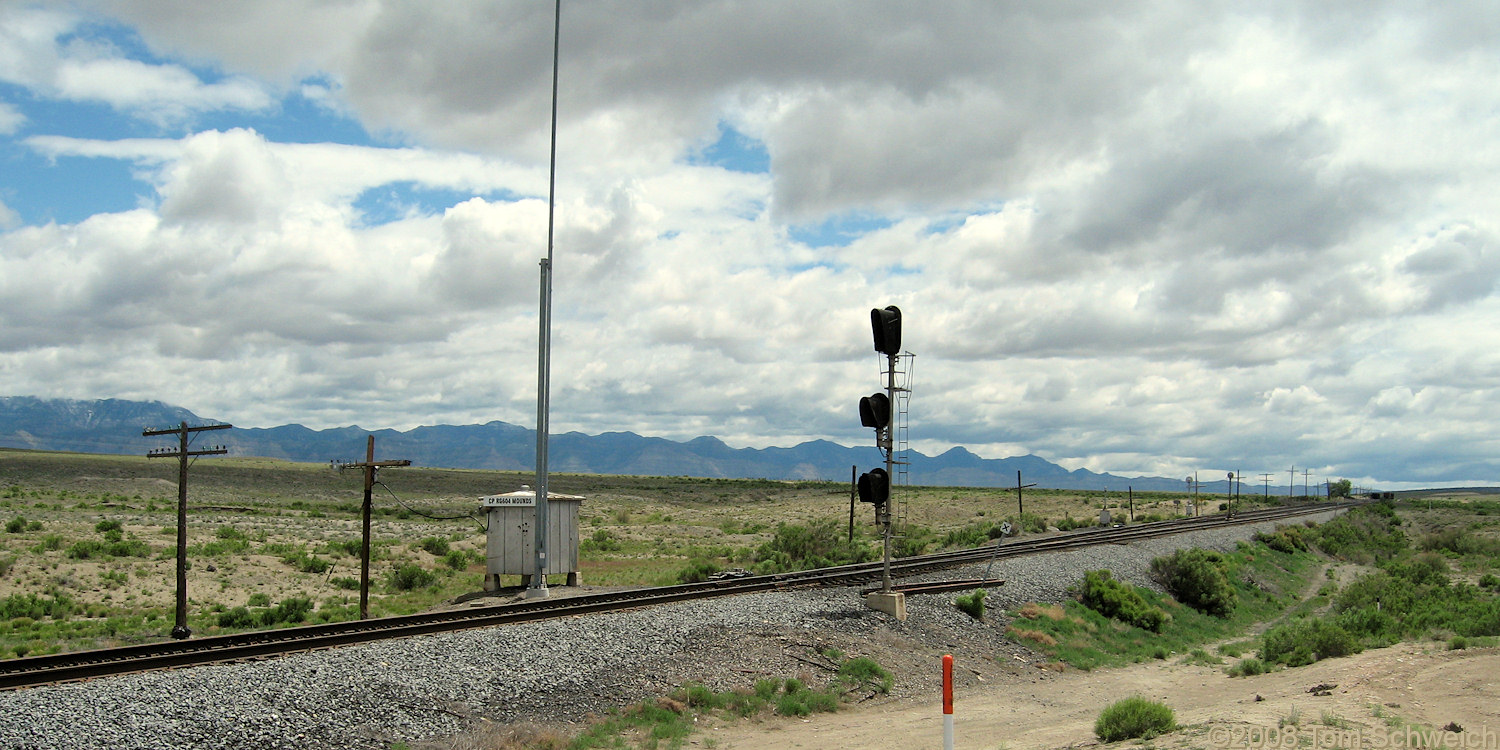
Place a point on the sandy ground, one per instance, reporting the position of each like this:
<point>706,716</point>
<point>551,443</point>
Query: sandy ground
<point>1393,697</point>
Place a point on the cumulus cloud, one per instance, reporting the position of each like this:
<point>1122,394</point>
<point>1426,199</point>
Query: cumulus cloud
<point>1147,237</point>
<point>47,52</point>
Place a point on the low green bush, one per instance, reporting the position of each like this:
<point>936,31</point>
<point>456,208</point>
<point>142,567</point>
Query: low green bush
<point>971,604</point>
<point>292,611</point>
<point>1305,641</point>
<point>863,671</point>
<point>1248,667</point>
<point>411,576</point>
<point>1198,578</point>
<point>57,606</point>
<point>435,546</point>
<point>15,525</point>
<point>238,617</point>
<point>1134,717</point>
<point>1113,599</point>
<point>697,571</point>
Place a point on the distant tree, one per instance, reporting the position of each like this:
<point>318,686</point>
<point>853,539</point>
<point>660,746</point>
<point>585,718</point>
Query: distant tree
<point>1341,488</point>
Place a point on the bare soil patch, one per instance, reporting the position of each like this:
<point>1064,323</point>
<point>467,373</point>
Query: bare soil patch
<point>1399,694</point>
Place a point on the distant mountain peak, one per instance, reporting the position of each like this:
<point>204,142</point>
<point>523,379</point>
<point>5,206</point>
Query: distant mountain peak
<point>114,426</point>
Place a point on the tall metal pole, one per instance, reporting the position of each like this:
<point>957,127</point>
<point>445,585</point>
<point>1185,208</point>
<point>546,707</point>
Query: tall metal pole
<point>544,340</point>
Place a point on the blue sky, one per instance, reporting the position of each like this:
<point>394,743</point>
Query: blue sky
<point>1192,239</point>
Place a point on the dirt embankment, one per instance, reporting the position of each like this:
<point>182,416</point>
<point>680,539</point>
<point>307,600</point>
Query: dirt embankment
<point>1397,697</point>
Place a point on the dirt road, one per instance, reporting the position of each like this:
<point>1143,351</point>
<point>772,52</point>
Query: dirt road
<point>1391,697</point>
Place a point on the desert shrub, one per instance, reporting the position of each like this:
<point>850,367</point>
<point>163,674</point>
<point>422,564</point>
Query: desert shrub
<point>228,532</point>
<point>971,604</point>
<point>697,571</point>
<point>1283,539</point>
<point>127,548</point>
<point>1030,523</point>
<point>459,559</point>
<point>602,540</point>
<point>1305,641</point>
<point>49,543</point>
<point>435,546</point>
<point>293,610</point>
<point>15,525</point>
<point>347,583</point>
<point>86,550</point>
<point>1459,542</point>
<point>104,527</point>
<point>58,606</point>
<point>1248,667</point>
<point>411,576</point>
<point>1068,523</point>
<point>820,545</point>
<point>307,563</point>
<point>259,599</point>
<point>972,535</point>
<point>1458,643</point>
<point>1111,598</point>
<point>864,671</point>
<point>238,617</point>
<point>1134,717</point>
<point>1198,578</point>
<point>1362,535</point>
<point>1489,581</point>
<point>6,563</point>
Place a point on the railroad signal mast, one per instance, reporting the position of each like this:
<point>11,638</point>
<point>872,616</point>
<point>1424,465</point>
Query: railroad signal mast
<point>877,411</point>
<point>180,628</point>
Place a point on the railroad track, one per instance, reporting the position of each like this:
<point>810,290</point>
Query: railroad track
<point>82,665</point>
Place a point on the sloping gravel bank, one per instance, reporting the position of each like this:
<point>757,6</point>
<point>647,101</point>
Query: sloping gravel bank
<point>371,696</point>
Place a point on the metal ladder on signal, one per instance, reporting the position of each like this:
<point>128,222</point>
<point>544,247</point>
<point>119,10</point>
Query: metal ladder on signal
<point>900,448</point>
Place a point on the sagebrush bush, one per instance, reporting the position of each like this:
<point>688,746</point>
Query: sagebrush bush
<point>1284,539</point>
<point>435,546</point>
<point>1134,717</point>
<point>1198,578</point>
<point>1248,667</point>
<point>1111,598</point>
<point>1305,641</point>
<point>411,576</point>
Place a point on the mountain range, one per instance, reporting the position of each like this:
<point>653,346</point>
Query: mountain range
<point>114,426</point>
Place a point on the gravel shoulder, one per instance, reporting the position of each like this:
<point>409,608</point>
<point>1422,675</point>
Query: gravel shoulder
<point>557,672</point>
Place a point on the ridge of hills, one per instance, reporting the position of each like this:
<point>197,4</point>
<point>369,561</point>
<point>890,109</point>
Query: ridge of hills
<point>114,426</point>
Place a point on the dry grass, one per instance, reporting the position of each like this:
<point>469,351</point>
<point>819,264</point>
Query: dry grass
<point>1036,636</point>
<point>1032,611</point>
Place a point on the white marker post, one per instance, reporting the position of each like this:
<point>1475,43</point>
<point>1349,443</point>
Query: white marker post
<point>947,701</point>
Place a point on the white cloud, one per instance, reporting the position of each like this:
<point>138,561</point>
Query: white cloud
<point>1148,237</point>
<point>40,56</point>
<point>11,118</point>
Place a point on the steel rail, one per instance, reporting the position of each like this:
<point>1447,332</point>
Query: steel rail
<point>81,665</point>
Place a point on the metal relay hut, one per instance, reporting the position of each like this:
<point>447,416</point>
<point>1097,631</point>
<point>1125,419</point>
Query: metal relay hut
<point>510,546</point>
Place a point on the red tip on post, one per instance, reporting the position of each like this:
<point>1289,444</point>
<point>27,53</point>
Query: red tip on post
<point>948,684</point>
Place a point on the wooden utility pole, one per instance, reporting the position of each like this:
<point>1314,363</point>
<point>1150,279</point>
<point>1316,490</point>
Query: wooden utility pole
<point>1020,507</point>
<point>180,628</point>
<point>370,466</point>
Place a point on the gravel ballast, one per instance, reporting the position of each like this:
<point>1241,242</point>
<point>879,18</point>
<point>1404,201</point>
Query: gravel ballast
<point>374,695</point>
